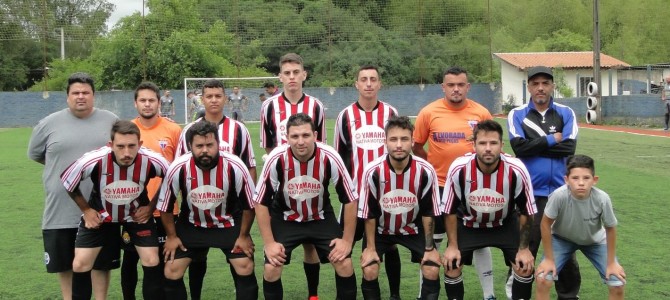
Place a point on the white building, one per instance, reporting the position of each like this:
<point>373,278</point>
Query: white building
<point>576,68</point>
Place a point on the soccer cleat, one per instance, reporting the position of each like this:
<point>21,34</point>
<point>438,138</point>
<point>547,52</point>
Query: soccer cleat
<point>313,298</point>
<point>490,298</point>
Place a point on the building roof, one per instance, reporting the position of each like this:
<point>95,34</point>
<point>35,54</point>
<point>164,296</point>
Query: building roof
<point>565,60</point>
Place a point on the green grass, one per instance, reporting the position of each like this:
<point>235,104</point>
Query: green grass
<point>633,169</point>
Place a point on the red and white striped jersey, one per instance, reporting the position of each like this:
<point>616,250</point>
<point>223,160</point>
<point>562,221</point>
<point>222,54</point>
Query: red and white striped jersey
<point>117,191</point>
<point>360,137</point>
<point>299,190</point>
<point>486,200</point>
<point>234,138</point>
<point>213,198</point>
<point>275,112</point>
<point>398,201</point>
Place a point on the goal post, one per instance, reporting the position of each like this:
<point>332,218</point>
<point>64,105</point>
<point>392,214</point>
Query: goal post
<point>251,87</point>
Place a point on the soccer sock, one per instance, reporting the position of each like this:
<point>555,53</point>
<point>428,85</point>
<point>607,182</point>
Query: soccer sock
<point>273,290</point>
<point>370,289</point>
<point>454,287</point>
<point>346,287</point>
<point>196,275</point>
<point>235,276</point>
<point>151,283</point>
<point>129,274</point>
<point>430,289</point>
<point>247,287</point>
<point>522,287</point>
<point>81,285</point>
<point>175,289</point>
<point>483,264</point>
<point>392,265</point>
<point>312,274</point>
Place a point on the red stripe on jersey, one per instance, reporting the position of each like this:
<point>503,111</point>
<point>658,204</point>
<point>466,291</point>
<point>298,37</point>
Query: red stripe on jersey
<point>109,176</point>
<point>282,113</point>
<point>471,187</point>
<point>316,171</point>
<point>193,174</point>
<point>291,174</point>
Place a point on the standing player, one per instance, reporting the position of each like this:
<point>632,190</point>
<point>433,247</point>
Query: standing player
<point>665,97</point>
<point>274,115</point>
<point>399,200</point>
<point>447,125</point>
<point>56,142</point>
<point>119,172</point>
<point>161,136</point>
<point>216,212</point>
<point>486,190</point>
<point>295,207</point>
<point>359,139</point>
<point>543,134</point>
<point>238,103</point>
<point>167,105</point>
<point>234,138</point>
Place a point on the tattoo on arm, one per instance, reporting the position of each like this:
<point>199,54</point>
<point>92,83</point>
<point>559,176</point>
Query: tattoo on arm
<point>525,232</point>
<point>428,233</point>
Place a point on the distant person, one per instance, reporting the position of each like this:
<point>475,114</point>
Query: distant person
<point>275,113</point>
<point>56,142</point>
<point>238,103</point>
<point>216,212</point>
<point>192,104</point>
<point>271,89</point>
<point>120,173</point>
<point>543,134</point>
<point>446,124</point>
<point>665,96</point>
<point>262,97</point>
<point>167,105</point>
<point>565,229</point>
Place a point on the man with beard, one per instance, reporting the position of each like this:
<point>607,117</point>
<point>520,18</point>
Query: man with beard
<point>446,125</point>
<point>161,136</point>
<point>398,200</point>
<point>216,212</point>
<point>543,134</point>
<point>295,207</point>
<point>120,173</point>
<point>493,196</point>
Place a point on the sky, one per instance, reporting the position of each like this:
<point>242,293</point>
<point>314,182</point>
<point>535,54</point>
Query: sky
<point>123,8</point>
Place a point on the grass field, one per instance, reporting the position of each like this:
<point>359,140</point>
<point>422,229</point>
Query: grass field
<point>633,169</point>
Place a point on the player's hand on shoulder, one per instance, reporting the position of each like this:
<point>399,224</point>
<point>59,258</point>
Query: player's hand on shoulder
<point>341,250</point>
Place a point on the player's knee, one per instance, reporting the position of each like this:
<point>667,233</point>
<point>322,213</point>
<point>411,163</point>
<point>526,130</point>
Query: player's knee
<point>616,292</point>
<point>371,272</point>
<point>272,273</point>
<point>452,273</point>
<point>344,268</point>
<point>172,272</point>
<point>79,265</point>
<point>543,285</point>
<point>243,266</point>
<point>430,272</point>
<point>150,260</point>
<point>524,273</point>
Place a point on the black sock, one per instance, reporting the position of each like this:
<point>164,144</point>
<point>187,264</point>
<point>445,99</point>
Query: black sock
<point>454,287</point>
<point>392,265</point>
<point>175,289</point>
<point>81,285</point>
<point>312,274</point>
<point>196,275</point>
<point>273,290</point>
<point>430,289</point>
<point>522,287</point>
<point>370,289</point>
<point>152,283</point>
<point>346,287</point>
<point>129,274</point>
<point>247,287</point>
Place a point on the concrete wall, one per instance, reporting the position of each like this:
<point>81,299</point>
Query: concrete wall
<point>629,109</point>
<point>22,109</point>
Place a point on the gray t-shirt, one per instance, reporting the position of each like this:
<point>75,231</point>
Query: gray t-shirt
<point>237,101</point>
<point>167,103</point>
<point>57,141</point>
<point>580,221</point>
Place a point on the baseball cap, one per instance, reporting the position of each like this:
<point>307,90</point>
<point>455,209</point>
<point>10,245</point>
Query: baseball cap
<point>534,71</point>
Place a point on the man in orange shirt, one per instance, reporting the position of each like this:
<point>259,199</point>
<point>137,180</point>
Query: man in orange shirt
<point>160,135</point>
<point>447,125</point>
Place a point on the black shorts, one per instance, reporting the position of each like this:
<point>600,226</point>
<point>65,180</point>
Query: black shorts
<point>198,240</point>
<point>59,251</point>
<point>318,233</point>
<point>505,238</point>
<point>415,243</point>
<point>128,244</point>
<point>439,220</point>
<point>141,235</point>
<point>360,225</point>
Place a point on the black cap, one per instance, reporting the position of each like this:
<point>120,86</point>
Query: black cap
<point>534,71</point>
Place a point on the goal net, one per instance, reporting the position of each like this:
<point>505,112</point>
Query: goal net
<point>246,105</point>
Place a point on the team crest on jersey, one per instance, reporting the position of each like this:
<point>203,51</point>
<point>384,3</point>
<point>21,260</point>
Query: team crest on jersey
<point>225,147</point>
<point>398,202</point>
<point>486,201</point>
<point>369,137</point>
<point>206,197</point>
<point>473,124</point>
<point>47,258</point>
<point>303,187</point>
<point>282,130</point>
<point>121,192</point>
<point>163,144</point>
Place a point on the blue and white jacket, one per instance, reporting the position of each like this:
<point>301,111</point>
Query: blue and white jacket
<point>531,137</point>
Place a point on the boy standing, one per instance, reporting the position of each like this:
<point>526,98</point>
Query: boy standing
<point>579,216</point>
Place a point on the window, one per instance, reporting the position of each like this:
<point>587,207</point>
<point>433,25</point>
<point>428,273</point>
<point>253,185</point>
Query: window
<point>583,83</point>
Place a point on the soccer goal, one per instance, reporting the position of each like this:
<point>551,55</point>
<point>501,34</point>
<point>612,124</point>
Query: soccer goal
<point>251,89</point>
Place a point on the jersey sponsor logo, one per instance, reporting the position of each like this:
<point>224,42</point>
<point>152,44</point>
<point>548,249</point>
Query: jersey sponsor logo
<point>399,202</point>
<point>224,146</point>
<point>206,197</point>
<point>282,130</point>
<point>121,192</point>
<point>486,201</point>
<point>369,137</point>
<point>303,187</point>
<point>448,137</point>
